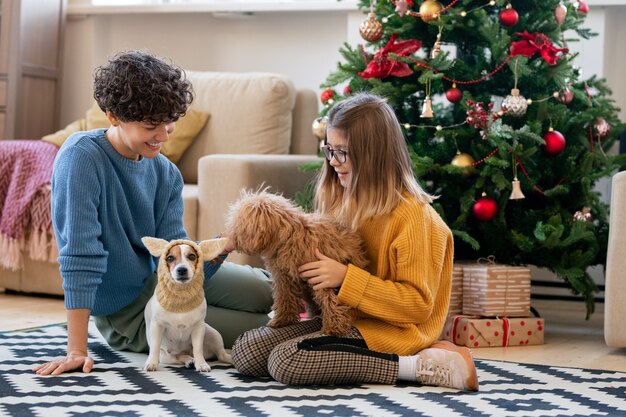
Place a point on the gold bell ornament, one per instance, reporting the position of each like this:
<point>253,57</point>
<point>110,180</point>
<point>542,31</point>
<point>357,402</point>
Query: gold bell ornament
<point>516,194</point>
<point>427,110</point>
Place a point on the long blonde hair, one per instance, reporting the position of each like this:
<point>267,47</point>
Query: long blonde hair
<point>381,166</point>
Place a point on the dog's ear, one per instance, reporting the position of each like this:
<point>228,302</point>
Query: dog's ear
<point>155,245</point>
<point>213,247</point>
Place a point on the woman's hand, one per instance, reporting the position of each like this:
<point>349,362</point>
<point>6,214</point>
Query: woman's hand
<point>77,356</point>
<point>73,360</point>
<point>323,273</point>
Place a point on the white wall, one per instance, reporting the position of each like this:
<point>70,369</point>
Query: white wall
<point>302,45</point>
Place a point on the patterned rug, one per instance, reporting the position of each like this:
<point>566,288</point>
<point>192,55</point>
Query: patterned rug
<point>118,387</point>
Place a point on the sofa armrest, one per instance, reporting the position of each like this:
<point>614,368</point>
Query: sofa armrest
<point>222,177</point>
<point>615,281</point>
<point>303,142</point>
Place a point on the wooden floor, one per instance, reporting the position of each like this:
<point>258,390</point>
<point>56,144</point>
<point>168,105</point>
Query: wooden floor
<point>570,340</point>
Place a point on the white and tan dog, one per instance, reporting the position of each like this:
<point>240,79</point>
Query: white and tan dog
<point>175,327</point>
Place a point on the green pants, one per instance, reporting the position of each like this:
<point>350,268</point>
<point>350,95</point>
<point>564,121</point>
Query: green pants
<point>238,297</point>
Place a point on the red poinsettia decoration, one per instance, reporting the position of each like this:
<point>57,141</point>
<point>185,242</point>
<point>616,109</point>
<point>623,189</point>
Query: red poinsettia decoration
<point>382,67</point>
<point>536,42</point>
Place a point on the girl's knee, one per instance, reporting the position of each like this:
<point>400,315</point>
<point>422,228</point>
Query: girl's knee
<point>246,356</point>
<point>284,365</point>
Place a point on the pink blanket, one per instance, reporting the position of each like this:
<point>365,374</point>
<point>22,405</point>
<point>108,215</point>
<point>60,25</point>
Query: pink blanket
<point>25,173</point>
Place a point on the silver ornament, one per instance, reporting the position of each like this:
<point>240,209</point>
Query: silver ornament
<point>514,104</point>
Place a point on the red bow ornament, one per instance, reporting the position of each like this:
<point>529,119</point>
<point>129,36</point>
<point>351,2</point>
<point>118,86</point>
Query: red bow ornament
<point>382,67</point>
<point>536,42</point>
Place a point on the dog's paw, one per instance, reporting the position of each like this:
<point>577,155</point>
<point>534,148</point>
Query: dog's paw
<point>150,366</point>
<point>189,362</point>
<point>203,367</point>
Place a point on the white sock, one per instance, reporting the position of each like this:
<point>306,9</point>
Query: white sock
<point>407,368</point>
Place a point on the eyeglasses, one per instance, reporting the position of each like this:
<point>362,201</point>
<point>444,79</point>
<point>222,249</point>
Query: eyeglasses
<point>330,153</point>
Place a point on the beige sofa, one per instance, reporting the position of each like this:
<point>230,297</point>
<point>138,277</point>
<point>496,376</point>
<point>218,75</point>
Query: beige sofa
<point>615,277</point>
<point>259,132</point>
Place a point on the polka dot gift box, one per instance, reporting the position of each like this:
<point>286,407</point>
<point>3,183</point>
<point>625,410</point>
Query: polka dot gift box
<point>474,332</point>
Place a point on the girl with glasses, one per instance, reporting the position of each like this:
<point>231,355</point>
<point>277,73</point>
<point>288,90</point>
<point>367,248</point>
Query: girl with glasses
<point>401,299</point>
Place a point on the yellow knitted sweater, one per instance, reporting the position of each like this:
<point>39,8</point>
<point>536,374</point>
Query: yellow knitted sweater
<point>402,298</point>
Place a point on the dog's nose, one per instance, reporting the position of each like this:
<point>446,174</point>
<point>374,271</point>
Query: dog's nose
<point>182,271</point>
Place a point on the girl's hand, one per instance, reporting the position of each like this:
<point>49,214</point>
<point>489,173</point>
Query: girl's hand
<point>68,363</point>
<point>323,273</point>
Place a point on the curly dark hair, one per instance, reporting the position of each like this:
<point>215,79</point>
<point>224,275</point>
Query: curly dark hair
<point>137,86</point>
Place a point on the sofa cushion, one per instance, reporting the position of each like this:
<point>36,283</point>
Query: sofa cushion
<point>251,113</point>
<point>59,136</point>
<point>186,131</point>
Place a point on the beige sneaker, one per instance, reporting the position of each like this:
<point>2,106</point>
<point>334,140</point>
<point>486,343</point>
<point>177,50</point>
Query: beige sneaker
<point>445,364</point>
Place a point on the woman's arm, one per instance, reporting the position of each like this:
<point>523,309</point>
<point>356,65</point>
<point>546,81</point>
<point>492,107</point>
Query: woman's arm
<point>77,355</point>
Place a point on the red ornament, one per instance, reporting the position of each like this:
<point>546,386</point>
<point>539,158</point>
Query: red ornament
<point>347,90</point>
<point>485,208</point>
<point>454,95</point>
<point>508,16</point>
<point>583,7</point>
<point>555,142</point>
<point>326,95</point>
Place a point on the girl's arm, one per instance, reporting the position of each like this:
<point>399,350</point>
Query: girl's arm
<point>77,355</point>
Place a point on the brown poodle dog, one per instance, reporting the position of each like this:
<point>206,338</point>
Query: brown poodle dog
<point>269,225</point>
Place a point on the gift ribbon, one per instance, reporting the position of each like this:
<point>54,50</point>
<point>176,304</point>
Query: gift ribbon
<point>456,322</point>
<point>505,330</point>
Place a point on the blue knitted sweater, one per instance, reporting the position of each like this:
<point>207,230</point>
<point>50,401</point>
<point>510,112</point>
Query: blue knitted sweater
<point>102,205</point>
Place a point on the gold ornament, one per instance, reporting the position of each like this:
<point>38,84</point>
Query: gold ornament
<point>583,215</point>
<point>514,104</point>
<point>427,110</point>
<point>319,127</point>
<point>463,160</point>
<point>516,193</point>
<point>429,10</point>
<point>371,29</point>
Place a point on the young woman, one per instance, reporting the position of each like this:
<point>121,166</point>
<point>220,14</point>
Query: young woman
<point>110,188</point>
<point>401,299</point>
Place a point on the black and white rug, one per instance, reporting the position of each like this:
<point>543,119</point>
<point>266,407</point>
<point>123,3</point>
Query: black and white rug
<point>118,387</point>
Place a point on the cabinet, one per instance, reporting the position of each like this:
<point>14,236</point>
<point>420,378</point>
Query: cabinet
<point>31,43</point>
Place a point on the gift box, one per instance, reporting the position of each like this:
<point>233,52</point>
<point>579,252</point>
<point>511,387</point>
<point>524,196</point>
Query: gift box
<point>496,290</point>
<point>456,291</point>
<point>491,332</point>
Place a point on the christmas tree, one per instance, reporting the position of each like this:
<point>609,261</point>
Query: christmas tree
<point>499,123</point>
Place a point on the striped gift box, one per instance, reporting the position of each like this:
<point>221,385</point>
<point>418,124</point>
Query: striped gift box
<point>496,290</point>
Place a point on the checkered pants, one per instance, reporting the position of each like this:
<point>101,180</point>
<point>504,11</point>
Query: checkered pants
<point>301,355</point>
